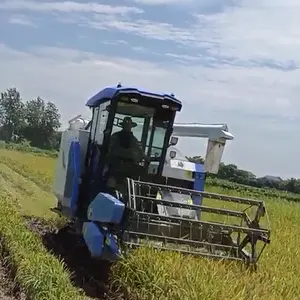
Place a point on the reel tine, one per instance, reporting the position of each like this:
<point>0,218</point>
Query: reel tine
<point>166,217</point>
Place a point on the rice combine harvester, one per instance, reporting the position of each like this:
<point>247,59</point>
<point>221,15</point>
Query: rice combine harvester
<point>120,195</point>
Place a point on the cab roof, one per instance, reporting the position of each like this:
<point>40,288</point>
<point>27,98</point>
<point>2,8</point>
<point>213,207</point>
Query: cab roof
<point>110,92</point>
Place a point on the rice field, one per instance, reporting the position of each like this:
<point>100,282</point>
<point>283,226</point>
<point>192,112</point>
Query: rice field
<point>148,274</point>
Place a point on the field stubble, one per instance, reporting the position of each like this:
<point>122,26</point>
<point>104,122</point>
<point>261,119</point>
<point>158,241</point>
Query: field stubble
<point>148,274</point>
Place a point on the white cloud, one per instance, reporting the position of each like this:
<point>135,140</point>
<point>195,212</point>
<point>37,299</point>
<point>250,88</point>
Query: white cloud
<point>21,20</point>
<point>255,29</point>
<point>67,7</point>
<point>236,96</point>
<point>226,88</point>
<point>252,33</point>
<point>161,2</point>
<point>145,28</point>
<point>114,42</point>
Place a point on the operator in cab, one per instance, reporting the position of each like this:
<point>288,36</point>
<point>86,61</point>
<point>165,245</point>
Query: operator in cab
<point>124,153</point>
<point>124,145</point>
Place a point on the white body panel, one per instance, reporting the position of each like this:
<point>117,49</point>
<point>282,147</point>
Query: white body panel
<point>77,132</point>
<point>174,211</point>
<point>179,169</point>
<point>61,169</point>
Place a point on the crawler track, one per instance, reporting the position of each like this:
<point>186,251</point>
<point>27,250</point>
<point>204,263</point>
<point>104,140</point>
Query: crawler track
<point>90,275</point>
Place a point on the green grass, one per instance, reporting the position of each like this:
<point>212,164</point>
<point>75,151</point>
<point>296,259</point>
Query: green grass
<point>34,200</point>
<point>40,274</point>
<point>148,274</point>
<point>26,148</point>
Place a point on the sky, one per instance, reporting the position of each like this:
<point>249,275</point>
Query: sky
<point>228,61</point>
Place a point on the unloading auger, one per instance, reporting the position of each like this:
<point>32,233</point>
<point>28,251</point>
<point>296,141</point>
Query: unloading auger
<point>122,183</point>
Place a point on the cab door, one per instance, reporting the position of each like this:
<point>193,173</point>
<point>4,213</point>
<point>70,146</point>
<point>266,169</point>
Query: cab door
<point>92,180</point>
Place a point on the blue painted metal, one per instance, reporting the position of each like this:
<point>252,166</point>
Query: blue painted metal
<point>110,92</point>
<point>199,184</point>
<point>106,209</point>
<point>93,238</point>
<point>72,180</point>
<point>111,249</point>
<point>101,243</point>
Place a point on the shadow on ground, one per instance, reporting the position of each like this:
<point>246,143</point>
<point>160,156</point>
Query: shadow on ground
<point>90,275</point>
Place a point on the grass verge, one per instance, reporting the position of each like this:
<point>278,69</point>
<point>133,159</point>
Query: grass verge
<point>26,148</point>
<point>39,273</point>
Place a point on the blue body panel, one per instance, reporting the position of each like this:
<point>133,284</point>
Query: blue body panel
<point>111,250</point>
<point>110,92</point>
<point>72,181</point>
<point>106,209</point>
<point>100,243</point>
<point>94,238</point>
<point>199,184</point>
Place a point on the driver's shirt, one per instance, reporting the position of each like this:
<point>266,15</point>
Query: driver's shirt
<point>125,145</point>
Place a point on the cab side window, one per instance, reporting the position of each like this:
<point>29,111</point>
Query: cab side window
<point>102,122</point>
<point>99,122</point>
<point>94,123</point>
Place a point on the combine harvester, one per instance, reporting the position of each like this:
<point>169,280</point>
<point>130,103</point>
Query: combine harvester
<point>120,195</point>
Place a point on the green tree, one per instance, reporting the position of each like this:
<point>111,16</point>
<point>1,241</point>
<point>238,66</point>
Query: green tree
<point>11,114</point>
<point>42,122</point>
<point>291,185</point>
<point>195,159</point>
<point>56,140</point>
<point>228,172</point>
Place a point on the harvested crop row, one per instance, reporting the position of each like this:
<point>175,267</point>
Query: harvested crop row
<point>41,275</point>
<point>33,199</point>
<point>36,168</point>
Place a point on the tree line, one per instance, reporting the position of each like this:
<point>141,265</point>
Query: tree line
<point>37,122</point>
<point>232,173</point>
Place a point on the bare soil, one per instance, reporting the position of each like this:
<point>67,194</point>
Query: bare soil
<point>8,289</point>
<point>89,275</point>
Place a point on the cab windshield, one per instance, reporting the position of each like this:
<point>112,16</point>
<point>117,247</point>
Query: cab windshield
<point>150,127</point>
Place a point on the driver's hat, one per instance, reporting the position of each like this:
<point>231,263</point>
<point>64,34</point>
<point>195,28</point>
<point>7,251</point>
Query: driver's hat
<point>128,120</point>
